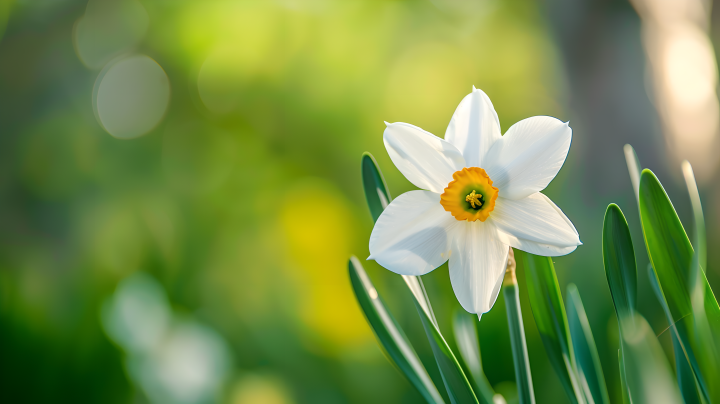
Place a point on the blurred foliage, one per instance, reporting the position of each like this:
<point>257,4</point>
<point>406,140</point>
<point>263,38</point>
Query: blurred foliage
<point>239,191</point>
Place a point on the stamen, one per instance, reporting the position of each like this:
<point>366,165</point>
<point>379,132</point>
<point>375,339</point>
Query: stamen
<point>474,199</point>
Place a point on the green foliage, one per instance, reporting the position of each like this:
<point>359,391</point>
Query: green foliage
<point>586,356</point>
<point>376,191</point>
<point>466,338</point>
<point>648,373</point>
<point>456,383</point>
<point>686,378</point>
<point>390,334</point>
<point>621,272</point>
<point>619,261</point>
<point>523,376</point>
<point>671,256</point>
<point>549,312</point>
<point>624,392</point>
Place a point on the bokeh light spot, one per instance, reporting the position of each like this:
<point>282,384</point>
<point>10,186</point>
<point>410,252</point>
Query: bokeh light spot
<point>131,96</point>
<point>257,388</point>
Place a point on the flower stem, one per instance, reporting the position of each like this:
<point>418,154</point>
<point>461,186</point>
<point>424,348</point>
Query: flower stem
<point>523,376</point>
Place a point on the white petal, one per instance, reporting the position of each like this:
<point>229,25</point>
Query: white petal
<point>412,235</point>
<point>477,264</point>
<point>532,247</point>
<point>534,219</point>
<point>528,157</point>
<point>474,127</point>
<point>426,160</point>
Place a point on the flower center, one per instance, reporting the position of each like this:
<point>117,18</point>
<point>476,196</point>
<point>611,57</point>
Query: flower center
<point>474,199</point>
<point>470,195</point>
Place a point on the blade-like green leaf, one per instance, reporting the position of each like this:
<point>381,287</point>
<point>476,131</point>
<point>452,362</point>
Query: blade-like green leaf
<point>683,370</point>
<point>648,373</point>
<point>378,198</point>
<point>698,294</point>
<point>686,378</point>
<point>623,379</point>
<point>466,339</point>
<point>620,267</point>
<point>671,256</point>
<point>389,333</point>
<point>588,362</point>
<point>376,190</point>
<point>456,383</point>
<point>549,312</point>
<point>523,376</point>
<point>634,169</point>
<point>619,261</point>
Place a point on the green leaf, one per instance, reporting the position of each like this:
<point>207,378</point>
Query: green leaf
<point>647,371</point>
<point>523,376</point>
<point>466,339</point>
<point>588,362</point>
<point>686,378</point>
<point>456,383</point>
<point>619,261</point>
<point>549,312</point>
<point>634,169</point>
<point>620,268</point>
<point>671,256</point>
<point>623,379</point>
<point>389,334</point>
<point>376,190</point>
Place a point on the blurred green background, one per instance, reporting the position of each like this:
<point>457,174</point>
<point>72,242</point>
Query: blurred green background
<point>180,183</point>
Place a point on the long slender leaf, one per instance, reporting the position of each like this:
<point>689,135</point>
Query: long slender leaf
<point>456,383</point>
<point>390,334</point>
<point>619,261</point>
<point>549,312</point>
<point>671,256</point>
<point>625,393</point>
<point>702,328</point>
<point>458,387</point>
<point>523,376</point>
<point>378,198</point>
<point>634,169</point>
<point>686,378</point>
<point>588,362</point>
<point>376,190</point>
<point>468,344</point>
<point>648,373</point>
<point>683,370</point>
<point>620,270</point>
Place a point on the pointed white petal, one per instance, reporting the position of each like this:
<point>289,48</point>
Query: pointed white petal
<point>412,235</point>
<point>477,265</point>
<point>426,160</point>
<point>528,157</point>
<point>532,247</point>
<point>535,219</point>
<point>474,127</point>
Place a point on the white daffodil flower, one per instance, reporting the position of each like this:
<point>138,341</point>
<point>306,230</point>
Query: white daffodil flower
<point>481,197</point>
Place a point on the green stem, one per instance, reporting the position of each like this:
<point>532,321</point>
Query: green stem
<point>523,376</point>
